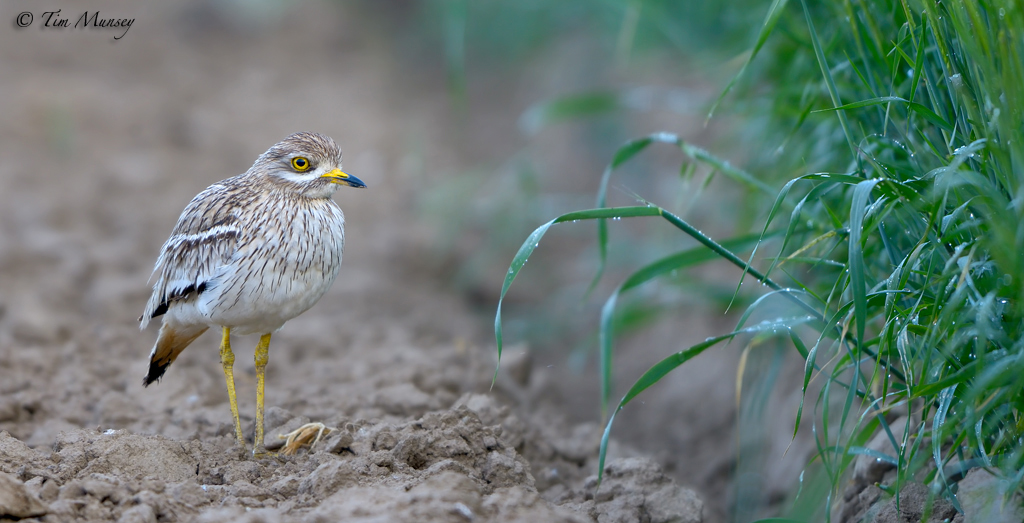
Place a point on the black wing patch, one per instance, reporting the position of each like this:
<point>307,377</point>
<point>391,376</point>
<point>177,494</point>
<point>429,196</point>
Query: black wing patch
<point>182,294</point>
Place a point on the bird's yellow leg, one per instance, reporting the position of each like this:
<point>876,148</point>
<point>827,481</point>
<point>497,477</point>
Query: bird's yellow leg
<point>227,359</point>
<point>262,357</point>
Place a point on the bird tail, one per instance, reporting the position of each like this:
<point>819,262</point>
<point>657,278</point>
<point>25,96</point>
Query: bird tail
<point>171,341</point>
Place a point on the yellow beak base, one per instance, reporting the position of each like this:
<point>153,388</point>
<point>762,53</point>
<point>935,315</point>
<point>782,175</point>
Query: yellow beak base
<point>337,176</point>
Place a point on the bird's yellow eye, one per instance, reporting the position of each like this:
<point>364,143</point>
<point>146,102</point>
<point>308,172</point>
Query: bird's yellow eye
<point>300,164</point>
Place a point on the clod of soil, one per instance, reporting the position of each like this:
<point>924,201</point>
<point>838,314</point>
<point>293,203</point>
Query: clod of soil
<point>16,501</point>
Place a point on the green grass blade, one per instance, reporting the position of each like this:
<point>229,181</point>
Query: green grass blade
<point>833,91</point>
<point>631,149</point>
<point>925,112</point>
<point>627,151</point>
<point>858,285</point>
<point>938,424</point>
<point>783,193</point>
<point>688,258</point>
<point>880,456</point>
<point>662,368</point>
<point>605,337</point>
<point>764,299</point>
<point>724,166</point>
<point>718,249</point>
<point>919,62</point>
<point>531,243</point>
<point>809,366</point>
<point>660,267</point>
<point>770,20</point>
<point>815,193</point>
<point>653,375</point>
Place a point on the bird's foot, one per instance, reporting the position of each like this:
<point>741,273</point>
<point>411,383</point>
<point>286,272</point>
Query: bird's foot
<point>309,433</point>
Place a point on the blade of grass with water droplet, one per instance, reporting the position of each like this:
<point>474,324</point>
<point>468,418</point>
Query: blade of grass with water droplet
<point>628,151</point>
<point>622,155</point>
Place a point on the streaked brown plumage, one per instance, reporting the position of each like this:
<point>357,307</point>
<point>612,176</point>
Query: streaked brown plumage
<point>250,253</point>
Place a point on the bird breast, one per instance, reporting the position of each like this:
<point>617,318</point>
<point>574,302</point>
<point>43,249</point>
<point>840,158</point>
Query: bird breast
<point>287,258</point>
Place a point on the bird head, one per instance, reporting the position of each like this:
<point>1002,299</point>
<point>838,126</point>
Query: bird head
<point>306,163</point>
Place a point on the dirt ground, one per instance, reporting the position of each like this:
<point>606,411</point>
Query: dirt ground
<point>103,142</point>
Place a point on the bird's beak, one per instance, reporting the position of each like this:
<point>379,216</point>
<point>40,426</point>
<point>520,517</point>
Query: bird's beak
<point>336,176</point>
